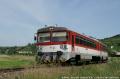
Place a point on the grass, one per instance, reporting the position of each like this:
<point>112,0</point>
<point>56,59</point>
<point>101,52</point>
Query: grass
<point>110,69</point>
<point>15,61</point>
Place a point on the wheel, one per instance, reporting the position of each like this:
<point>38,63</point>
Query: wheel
<point>87,62</point>
<point>72,61</point>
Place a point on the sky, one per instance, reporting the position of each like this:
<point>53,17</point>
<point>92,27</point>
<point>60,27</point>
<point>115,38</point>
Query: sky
<point>20,19</point>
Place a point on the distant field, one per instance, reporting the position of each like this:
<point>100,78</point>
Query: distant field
<point>110,69</point>
<point>15,61</point>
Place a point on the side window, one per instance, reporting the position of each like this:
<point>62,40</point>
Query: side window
<point>85,42</point>
<point>81,40</point>
<point>77,40</point>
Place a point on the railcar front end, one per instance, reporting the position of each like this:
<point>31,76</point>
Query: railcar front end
<point>53,46</point>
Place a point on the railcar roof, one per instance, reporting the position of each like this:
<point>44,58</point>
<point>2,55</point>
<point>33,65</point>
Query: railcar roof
<point>53,28</point>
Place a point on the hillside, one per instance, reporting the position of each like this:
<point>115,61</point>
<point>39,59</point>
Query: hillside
<point>113,42</point>
<point>29,49</point>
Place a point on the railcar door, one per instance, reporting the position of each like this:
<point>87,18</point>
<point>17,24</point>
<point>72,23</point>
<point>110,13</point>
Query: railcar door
<point>73,41</point>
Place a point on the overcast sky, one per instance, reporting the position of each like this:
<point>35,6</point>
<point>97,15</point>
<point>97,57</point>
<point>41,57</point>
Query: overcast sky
<point>19,19</point>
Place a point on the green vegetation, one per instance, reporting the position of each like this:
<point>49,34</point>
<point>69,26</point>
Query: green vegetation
<point>29,49</point>
<point>113,41</point>
<point>110,69</point>
<point>15,61</point>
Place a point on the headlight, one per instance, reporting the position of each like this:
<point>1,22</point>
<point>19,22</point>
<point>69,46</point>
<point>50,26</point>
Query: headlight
<point>40,48</point>
<point>63,46</point>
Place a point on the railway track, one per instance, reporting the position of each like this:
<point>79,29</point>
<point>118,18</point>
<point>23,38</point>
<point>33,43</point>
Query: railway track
<point>7,70</point>
<point>11,70</point>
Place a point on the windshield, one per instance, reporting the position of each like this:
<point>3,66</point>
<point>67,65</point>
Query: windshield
<point>44,37</point>
<point>55,37</point>
<point>59,36</point>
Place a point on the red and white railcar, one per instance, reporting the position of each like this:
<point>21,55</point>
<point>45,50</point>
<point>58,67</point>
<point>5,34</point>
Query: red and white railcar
<point>61,44</point>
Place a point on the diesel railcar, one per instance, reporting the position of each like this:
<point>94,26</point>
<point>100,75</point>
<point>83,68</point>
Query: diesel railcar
<point>60,44</point>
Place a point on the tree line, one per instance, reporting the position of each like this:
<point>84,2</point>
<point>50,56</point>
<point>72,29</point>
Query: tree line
<point>29,49</point>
